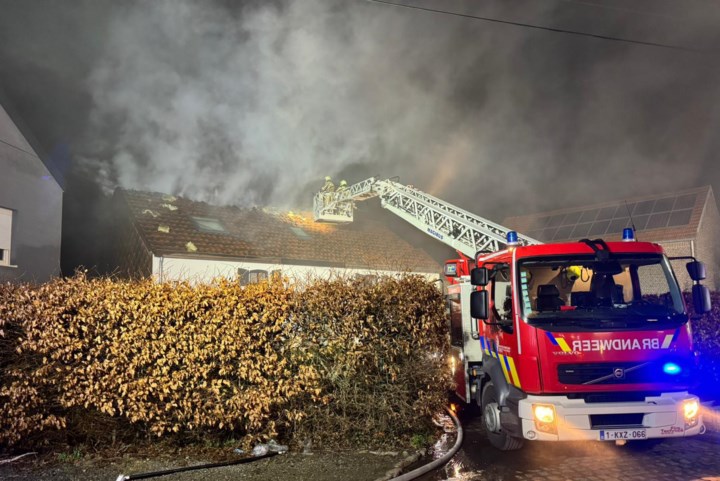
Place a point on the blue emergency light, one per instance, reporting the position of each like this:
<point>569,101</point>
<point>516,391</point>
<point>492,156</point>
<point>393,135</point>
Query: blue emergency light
<point>671,369</point>
<point>628,235</point>
<point>512,238</point>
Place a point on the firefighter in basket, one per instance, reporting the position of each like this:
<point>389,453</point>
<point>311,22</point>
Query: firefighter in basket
<point>327,190</point>
<point>345,206</point>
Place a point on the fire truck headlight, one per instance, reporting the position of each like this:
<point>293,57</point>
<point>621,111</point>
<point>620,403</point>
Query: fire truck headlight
<point>690,410</point>
<point>545,418</point>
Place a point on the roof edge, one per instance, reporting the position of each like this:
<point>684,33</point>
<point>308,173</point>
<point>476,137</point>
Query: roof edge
<point>36,146</point>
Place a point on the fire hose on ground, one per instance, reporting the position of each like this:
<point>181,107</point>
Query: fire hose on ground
<point>404,477</point>
<point>441,461</point>
<point>155,474</point>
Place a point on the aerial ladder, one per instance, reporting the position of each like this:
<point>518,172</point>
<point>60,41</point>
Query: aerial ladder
<point>465,232</point>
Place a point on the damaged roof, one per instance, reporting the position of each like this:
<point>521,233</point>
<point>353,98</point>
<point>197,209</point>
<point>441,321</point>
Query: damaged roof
<point>662,217</point>
<point>175,226</point>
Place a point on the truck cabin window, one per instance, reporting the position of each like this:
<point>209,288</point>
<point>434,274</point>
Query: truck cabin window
<point>626,291</point>
<point>502,295</point>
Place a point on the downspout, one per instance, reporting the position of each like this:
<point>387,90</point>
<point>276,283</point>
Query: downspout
<point>161,269</point>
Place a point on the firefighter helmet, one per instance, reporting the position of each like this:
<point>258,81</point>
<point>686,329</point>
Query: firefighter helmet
<point>342,182</point>
<point>327,177</point>
<point>573,273</point>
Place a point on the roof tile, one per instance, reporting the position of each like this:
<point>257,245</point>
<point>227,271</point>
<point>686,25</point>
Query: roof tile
<point>265,234</point>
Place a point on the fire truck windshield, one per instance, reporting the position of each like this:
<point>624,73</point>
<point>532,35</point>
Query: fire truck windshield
<point>625,292</point>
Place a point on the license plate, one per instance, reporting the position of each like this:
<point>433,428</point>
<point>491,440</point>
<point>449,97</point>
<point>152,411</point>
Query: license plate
<point>628,434</point>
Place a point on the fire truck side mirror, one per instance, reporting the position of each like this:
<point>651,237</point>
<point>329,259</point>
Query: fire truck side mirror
<point>479,304</point>
<point>701,299</point>
<point>479,276</point>
<point>696,269</point>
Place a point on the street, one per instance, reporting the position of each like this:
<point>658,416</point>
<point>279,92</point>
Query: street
<point>678,459</point>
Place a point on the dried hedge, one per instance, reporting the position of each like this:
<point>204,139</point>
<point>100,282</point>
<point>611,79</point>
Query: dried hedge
<point>706,339</point>
<point>88,360</point>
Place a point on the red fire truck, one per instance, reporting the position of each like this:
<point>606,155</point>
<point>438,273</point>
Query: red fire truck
<point>587,340</point>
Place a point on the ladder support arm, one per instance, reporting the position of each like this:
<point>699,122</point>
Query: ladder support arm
<point>455,227</point>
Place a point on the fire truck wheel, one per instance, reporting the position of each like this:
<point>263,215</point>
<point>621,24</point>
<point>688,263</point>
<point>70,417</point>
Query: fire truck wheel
<point>491,419</point>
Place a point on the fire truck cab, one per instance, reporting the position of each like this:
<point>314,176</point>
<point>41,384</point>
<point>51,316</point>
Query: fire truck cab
<point>578,341</point>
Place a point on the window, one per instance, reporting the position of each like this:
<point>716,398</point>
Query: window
<point>502,295</point>
<point>456,330</point>
<point>629,291</point>
<point>208,224</point>
<point>6,217</point>
<point>251,277</point>
<point>300,233</point>
<point>256,276</point>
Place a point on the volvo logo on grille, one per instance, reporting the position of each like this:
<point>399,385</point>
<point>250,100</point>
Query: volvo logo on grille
<point>619,373</point>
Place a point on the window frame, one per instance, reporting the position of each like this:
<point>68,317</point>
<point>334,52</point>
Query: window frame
<point>6,252</point>
<point>197,220</point>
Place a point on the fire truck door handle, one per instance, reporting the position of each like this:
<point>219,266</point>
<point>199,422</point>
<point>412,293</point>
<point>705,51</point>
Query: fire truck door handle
<point>474,333</point>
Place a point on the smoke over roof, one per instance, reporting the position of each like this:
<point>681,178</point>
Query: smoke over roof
<point>253,103</point>
<point>248,106</point>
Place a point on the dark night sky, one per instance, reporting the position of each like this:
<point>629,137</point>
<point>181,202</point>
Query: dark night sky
<point>252,103</point>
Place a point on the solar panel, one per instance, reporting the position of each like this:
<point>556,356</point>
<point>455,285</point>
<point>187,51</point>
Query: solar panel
<point>556,220</point>
<point>548,234</point>
<point>621,211</point>
<point>606,213</point>
<point>563,233</point>
<point>640,221</point>
<point>589,215</point>
<point>680,217</point>
<point>580,231</point>
<point>658,221</point>
<point>535,233</point>
<point>543,221</point>
<point>617,225</point>
<point>664,205</point>
<point>685,202</point>
<point>644,207</point>
<point>572,217</point>
<point>599,228</point>
<point>670,211</point>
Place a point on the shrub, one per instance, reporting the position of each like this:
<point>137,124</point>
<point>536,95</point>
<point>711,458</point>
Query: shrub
<point>706,339</point>
<point>336,361</point>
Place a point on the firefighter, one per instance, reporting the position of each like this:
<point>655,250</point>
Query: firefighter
<point>328,191</point>
<point>329,186</point>
<point>344,207</point>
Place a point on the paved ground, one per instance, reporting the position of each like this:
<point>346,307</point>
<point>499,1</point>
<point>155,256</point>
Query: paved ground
<point>681,459</point>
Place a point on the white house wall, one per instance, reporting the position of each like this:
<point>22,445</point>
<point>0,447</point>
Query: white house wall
<point>35,199</point>
<point>203,271</point>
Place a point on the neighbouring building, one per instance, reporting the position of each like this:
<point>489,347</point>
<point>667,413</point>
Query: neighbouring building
<point>173,238</point>
<point>684,223</point>
<point>31,196</point>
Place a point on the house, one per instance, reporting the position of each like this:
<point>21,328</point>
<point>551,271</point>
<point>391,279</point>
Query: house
<point>31,197</point>
<point>173,238</point>
<point>684,223</point>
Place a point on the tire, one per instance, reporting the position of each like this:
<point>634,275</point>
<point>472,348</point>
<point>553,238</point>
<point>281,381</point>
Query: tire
<point>491,420</point>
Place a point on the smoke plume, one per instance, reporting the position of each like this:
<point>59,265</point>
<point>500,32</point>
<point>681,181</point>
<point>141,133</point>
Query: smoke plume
<point>253,105</point>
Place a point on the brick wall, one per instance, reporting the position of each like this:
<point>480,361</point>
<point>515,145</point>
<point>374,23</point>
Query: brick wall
<point>676,249</point>
<point>707,247</point>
